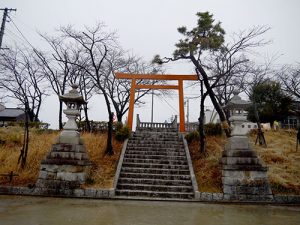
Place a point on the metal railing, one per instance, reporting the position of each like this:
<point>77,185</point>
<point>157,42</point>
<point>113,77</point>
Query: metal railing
<point>142,125</point>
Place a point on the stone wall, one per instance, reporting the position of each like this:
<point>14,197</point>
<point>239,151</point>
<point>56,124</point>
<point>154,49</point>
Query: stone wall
<point>109,194</point>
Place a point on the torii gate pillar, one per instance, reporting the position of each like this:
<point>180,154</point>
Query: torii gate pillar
<point>134,86</point>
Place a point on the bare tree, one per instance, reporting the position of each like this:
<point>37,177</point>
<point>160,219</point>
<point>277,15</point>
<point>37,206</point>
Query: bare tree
<point>290,79</point>
<point>23,80</point>
<point>56,68</point>
<point>232,66</point>
<point>87,90</point>
<point>119,89</point>
<point>96,45</point>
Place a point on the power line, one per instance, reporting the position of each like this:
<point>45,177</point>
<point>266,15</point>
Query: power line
<point>163,98</point>
<point>21,33</point>
<point>14,36</point>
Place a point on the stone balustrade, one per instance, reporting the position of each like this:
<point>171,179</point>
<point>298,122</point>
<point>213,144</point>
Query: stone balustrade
<point>145,125</point>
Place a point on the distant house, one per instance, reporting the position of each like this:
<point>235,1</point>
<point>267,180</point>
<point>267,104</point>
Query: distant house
<point>292,121</point>
<point>10,115</point>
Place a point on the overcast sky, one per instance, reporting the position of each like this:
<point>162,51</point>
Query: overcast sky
<point>149,27</point>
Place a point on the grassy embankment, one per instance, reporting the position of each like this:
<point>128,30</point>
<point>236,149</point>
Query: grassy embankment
<point>11,138</point>
<point>280,156</point>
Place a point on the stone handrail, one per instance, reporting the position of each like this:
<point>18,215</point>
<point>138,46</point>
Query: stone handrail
<point>142,125</point>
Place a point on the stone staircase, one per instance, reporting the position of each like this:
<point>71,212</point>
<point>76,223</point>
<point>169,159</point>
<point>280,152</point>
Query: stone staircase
<point>155,165</point>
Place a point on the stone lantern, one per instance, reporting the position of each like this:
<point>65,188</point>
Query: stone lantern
<point>73,101</point>
<point>238,117</point>
<point>244,176</point>
<point>67,165</point>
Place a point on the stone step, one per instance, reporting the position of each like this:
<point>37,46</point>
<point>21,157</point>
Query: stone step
<point>156,130</point>
<point>239,153</point>
<point>162,157</point>
<point>154,170</point>
<point>156,166</point>
<point>159,153</point>
<point>152,187</point>
<point>155,194</point>
<point>155,181</point>
<point>245,167</point>
<point>154,141</point>
<point>140,148</point>
<point>155,134</point>
<point>155,176</point>
<point>156,138</point>
<point>156,161</point>
<point>240,160</point>
<point>154,145</point>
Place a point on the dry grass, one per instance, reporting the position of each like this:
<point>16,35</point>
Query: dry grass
<point>207,167</point>
<point>282,160</point>
<point>39,145</point>
<point>103,168</point>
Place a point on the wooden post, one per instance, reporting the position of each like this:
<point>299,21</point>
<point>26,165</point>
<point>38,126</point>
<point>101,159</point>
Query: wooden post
<point>181,106</point>
<point>131,103</point>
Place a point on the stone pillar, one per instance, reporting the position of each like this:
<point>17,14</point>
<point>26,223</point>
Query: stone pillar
<point>66,165</point>
<point>244,176</point>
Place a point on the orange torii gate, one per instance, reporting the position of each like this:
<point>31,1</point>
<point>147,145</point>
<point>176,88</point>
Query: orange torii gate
<point>134,86</point>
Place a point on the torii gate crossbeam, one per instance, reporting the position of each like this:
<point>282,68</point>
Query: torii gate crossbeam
<point>134,86</point>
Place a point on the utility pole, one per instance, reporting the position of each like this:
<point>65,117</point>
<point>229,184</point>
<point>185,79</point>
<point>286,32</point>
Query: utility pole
<point>188,113</point>
<point>6,10</point>
<point>152,106</point>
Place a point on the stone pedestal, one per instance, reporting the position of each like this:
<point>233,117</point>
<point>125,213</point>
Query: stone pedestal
<point>243,175</point>
<point>64,168</point>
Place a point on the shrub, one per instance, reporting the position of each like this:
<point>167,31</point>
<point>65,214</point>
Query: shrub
<point>213,129</point>
<point>192,136</point>
<point>122,133</point>
<point>37,125</point>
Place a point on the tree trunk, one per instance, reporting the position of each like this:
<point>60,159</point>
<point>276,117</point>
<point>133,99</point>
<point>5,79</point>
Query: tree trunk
<point>119,117</point>
<point>109,148</point>
<point>60,124</point>
<point>212,96</point>
<point>87,122</point>
<point>201,122</point>
<point>24,150</point>
<point>272,124</point>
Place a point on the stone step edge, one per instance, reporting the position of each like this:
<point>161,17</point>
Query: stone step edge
<point>157,185</point>
<point>154,180</point>
<point>152,164</point>
<point>160,156</point>
<point>155,153</point>
<point>154,192</point>
<point>155,174</point>
<point>170,161</point>
<point>158,169</point>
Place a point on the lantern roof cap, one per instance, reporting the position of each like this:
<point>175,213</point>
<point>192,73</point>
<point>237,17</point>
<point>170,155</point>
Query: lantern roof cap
<point>236,102</point>
<point>72,96</point>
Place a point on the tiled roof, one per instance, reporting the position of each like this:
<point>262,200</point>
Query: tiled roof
<point>11,112</point>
